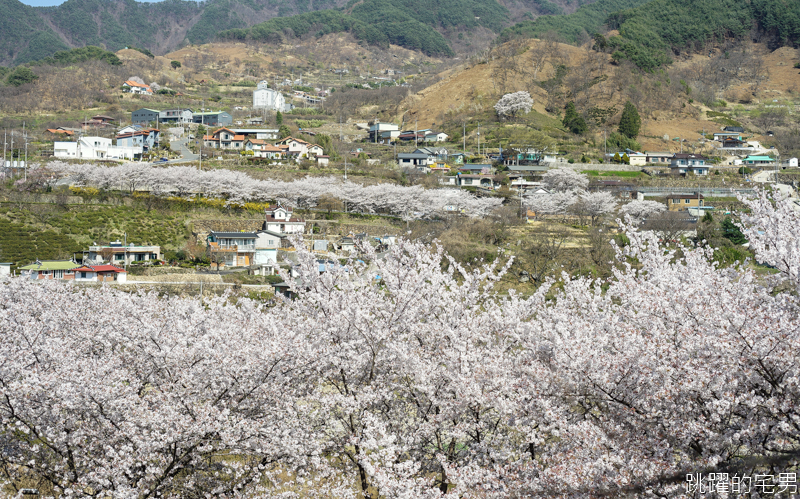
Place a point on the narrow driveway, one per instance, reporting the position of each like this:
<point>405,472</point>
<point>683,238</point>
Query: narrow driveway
<point>186,155</point>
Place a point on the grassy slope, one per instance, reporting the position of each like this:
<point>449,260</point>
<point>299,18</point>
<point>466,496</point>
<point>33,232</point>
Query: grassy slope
<point>45,232</point>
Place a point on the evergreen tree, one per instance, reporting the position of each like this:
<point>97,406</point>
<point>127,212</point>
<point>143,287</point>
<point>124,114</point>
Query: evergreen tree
<point>630,122</point>
<point>279,118</point>
<point>21,76</point>
<point>284,132</point>
<point>732,232</point>
<point>572,120</point>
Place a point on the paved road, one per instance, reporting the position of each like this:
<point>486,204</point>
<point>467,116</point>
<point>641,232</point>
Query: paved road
<point>186,154</point>
<point>768,176</point>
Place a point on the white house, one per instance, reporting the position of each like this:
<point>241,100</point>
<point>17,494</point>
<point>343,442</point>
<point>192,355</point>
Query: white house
<point>137,88</point>
<point>383,132</point>
<point>268,98</point>
<point>116,252</point>
<point>300,148</point>
<point>267,245</point>
<point>279,220</point>
<point>100,273</point>
<point>436,137</point>
<point>94,148</point>
<point>175,116</point>
<point>685,163</point>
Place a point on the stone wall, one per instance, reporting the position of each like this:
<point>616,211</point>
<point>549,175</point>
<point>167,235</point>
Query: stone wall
<point>617,167</point>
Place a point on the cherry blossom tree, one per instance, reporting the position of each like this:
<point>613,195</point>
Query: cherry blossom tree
<point>639,210</point>
<point>596,204</point>
<point>238,188</point>
<point>565,179</point>
<point>513,103</point>
<point>409,376</point>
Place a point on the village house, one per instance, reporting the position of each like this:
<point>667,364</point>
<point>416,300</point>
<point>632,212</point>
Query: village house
<point>267,245</point>
<point>144,116</point>
<point>414,160</point>
<point>720,136</point>
<point>57,131</point>
<point>470,180</point>
<point>383,132</point>
<point>257,133</point>
<point>99,273</point>
<point>175,116</point>
<point>213,118</point>
<point>678,202</point>
<point>299,148</point>
<point>50,269</point>
<point>435,137</point>
<point>94,148</point>
<point>758,161</point>
<point>659,157</point>
<point>689,163</point>
<point>146,138</point>
<point>136,88</point>
<point>266,98</point>
<point>224,138</point>
<point>280,220</point>
<point>232,249</point>
<point>117,253</point>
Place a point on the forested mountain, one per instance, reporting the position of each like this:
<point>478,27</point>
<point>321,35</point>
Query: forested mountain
<point>31,33</point>
<point>650,31</point>
<point>410,23</point>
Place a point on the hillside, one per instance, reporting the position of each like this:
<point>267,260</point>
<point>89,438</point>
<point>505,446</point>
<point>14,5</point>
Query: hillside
<point>31,33</point>
<point>442,28</point>
<point>651,33</point>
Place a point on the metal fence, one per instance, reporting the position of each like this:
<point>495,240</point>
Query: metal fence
<point>705,191</point>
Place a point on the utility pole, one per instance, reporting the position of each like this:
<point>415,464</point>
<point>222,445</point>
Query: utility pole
<point>464,136</point>
<point>479,139</point>
<point>25,165</point>
<point>416,123</point>
<point>202,136</point>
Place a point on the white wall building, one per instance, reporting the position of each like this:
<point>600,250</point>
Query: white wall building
<point>94,148</point>
<point>268,98</point>
<point>279,220</point>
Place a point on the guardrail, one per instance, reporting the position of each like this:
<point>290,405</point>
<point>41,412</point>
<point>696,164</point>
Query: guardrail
<point>705,191</point>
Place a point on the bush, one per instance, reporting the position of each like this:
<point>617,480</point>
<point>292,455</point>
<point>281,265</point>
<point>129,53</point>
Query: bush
<point>743,170</point>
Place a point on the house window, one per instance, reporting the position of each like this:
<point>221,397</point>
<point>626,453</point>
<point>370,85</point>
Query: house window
<point>83,275</point>
<point>58,274</point>
<point>676,201</point>
<point>686,201</point>
<point>119,257</point>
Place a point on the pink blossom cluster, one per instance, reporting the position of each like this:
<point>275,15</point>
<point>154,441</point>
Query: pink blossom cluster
<point>409,376</point>
<point>237,187</point>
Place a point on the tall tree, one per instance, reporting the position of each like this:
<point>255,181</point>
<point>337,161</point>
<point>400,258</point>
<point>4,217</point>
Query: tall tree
<point>572,120</point>
<point>630,122</point>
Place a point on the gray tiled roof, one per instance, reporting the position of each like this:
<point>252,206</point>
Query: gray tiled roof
<point>240,235</point>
